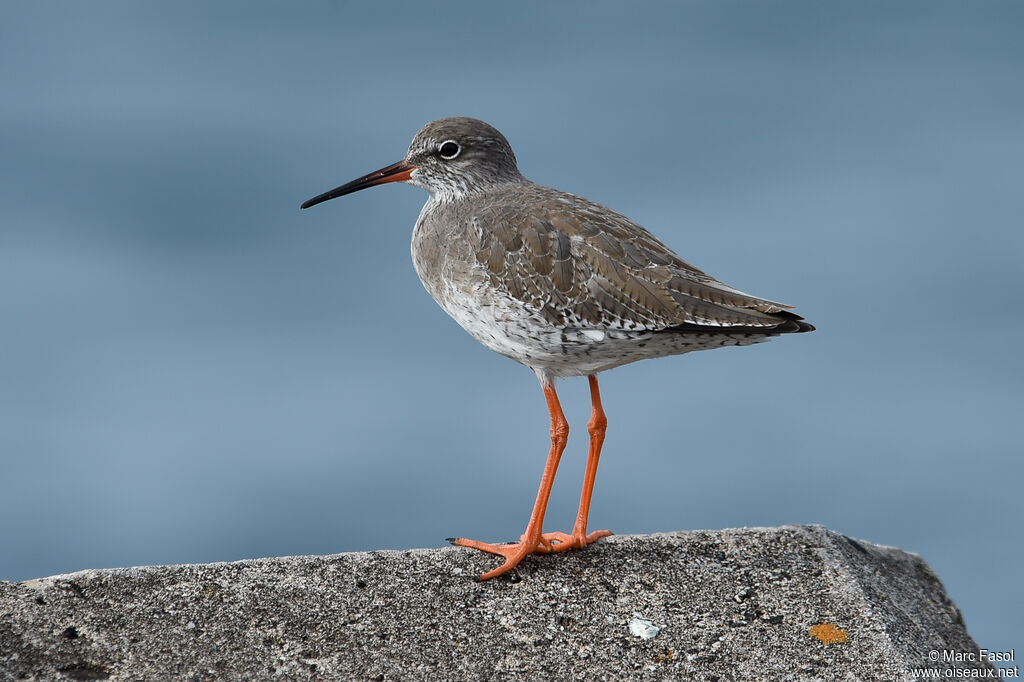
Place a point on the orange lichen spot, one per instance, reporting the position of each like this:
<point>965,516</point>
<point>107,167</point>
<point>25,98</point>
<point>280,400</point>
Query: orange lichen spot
<point>827,633</point>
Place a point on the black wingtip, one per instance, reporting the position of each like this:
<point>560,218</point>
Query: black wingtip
<point>805,326</point>
<point>789,323</point>
<point>793,323</point>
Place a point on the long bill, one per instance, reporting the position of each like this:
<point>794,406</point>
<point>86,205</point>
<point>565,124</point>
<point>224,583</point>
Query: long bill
<point>396,172</point>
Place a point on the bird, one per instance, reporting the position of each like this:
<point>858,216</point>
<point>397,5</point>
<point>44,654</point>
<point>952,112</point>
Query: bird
<point>558,283</point>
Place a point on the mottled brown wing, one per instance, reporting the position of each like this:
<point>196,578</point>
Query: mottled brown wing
<point>531,261</point>
<point>581,264</point>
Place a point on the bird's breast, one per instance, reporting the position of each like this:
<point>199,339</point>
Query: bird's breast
<point>440,253</point>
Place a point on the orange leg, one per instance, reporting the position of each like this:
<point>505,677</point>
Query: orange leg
<point>597,426</point>
<point>532,540</point>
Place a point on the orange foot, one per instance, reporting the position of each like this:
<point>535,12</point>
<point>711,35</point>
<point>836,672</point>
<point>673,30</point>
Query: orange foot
<point>514,552</point>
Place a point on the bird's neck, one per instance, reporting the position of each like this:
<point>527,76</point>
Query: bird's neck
<point>459,191</point>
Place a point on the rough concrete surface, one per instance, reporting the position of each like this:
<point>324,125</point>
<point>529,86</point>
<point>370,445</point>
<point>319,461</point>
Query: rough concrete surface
<point>789,603</point>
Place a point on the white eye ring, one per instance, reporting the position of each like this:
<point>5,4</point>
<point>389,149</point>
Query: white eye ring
<point>448,154</point>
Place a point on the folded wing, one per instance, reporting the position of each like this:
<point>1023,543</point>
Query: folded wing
<point>582,265</point>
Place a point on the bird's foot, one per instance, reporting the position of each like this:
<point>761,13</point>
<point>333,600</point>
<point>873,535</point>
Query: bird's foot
<point>514,552</point>
<point>559,542</point>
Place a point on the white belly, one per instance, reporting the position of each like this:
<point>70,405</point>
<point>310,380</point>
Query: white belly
<point>508,329</point>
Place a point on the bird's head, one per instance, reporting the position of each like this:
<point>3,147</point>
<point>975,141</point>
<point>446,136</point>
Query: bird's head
<point>449,157</point>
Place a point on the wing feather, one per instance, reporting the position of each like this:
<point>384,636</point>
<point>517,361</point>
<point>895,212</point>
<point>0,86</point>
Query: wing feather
<point>580,264</point>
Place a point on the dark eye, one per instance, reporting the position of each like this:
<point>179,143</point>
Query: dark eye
<point>449,150</point>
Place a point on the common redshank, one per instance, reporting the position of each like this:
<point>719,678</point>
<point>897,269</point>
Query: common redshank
<point>558,283</point>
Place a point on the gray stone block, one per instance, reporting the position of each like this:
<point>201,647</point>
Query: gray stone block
<point>789,603</point>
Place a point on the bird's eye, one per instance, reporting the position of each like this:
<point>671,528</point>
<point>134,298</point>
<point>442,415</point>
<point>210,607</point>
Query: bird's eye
<point>449,150</point>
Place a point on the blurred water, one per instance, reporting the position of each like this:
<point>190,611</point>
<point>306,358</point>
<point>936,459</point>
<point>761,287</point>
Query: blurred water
<point>193,370</point>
